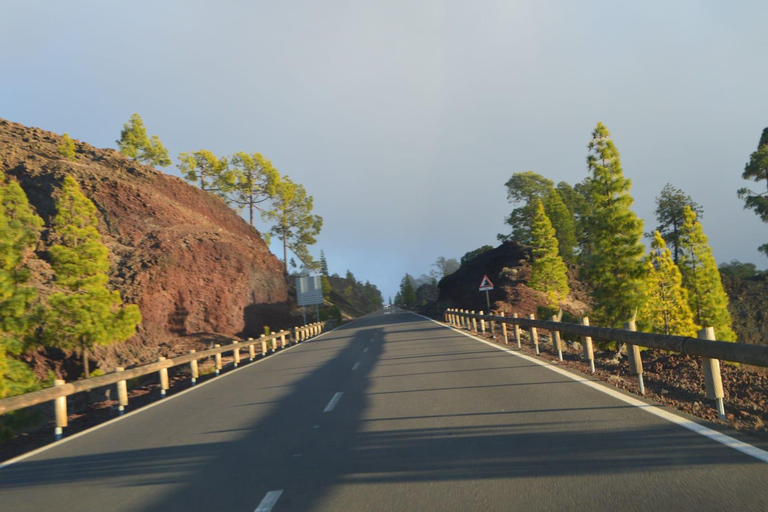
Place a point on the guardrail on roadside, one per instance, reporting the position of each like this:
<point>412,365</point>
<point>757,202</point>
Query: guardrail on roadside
<point>61,390</point>
<point>705,346</point>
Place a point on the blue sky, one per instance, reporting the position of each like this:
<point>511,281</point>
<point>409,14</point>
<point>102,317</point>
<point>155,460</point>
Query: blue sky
<point>404,119</point>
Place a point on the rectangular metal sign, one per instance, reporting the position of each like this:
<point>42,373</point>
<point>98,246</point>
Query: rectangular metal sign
<point>309,290</point>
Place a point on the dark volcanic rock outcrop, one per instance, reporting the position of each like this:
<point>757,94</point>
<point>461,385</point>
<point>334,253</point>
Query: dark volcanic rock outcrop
<point>190,262</point>
<point>748,296</point>
<point>509,268</point>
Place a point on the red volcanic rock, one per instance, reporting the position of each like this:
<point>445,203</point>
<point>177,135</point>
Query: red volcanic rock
<point>190,262</point>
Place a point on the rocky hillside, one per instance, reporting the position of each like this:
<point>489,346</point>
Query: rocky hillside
<point>191,263</point>
<point>509,269</point>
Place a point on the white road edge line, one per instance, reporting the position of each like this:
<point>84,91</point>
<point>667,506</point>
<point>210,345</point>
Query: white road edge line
<point>269,501</point>
<point>719,437</point>
<point>333,402</point>
<point>164,400</point>
<point>357,365</point>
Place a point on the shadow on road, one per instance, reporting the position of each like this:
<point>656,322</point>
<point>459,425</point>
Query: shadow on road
<point>297,447</point>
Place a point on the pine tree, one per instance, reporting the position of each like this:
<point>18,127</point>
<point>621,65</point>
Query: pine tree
<point>294,223</point>
<point>669,214</point>
<point>253,180</point>
<point>548,273</point>
<point>67,148</point>
<point>524,188</point>
<point>757,170</point>
<point>19,232</point>
<point>135,143</point>
<point>325,283</point>
<point>666,309</point>
<point>212,173</point>
<point>706,296</point>
<point>87,313</point>
<point>407,291</point>
<point>323,264</point>
<point>613,252</point>
<point>563,222</point>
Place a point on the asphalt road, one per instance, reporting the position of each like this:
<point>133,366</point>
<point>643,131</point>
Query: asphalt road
<point>392,412</point>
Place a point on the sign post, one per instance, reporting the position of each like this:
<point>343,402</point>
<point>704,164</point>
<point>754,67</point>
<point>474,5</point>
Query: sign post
<point>485,286</point>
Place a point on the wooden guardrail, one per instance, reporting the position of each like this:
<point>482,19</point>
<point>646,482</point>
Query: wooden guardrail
<point>705,346</point>
<point>61,390</point>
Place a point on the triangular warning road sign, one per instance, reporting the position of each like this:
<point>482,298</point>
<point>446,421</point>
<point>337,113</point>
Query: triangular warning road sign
<point>486,284</point>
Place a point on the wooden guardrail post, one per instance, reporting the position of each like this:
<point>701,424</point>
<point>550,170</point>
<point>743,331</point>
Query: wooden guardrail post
<point>635,360</point>
<point>474,322</point>
<point>122,393</point>
<point>193,368</point>
<point>534,334</point>
<point>263,345</point>
<point>236,352</point>
<point>482,322</point>
<point>282,339</point>
<point>713,382</point>
<point>163,378</point>
<point>217,359</point>
<point>60,408</point>
<point>589,352</point>
<point>516,331</point>
<point>464,319</point>
<point>493,326</point>
<point>504,329</point>
<point>556,341</point>
<point>251,349</point>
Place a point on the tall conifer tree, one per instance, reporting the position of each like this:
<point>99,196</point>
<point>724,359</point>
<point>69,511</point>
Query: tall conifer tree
<point>613,251</point>
<point>523,188</point>
<point>294,223</point>
<point>135,143</point>
<point>253,181</point>
<point>757,170</point>
<point>323,264</point>
<point>210,172</point>
<point>87,313</point>
<point>407,291</point>
<point>669,213</point>
<point>563,221</point>
<point>19,232</point>
<point>548,272</point>
<point>706,296</point>
<point>666,309</point>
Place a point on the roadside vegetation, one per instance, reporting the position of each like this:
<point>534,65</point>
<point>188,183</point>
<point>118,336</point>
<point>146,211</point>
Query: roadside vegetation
<point>590,228</point>
<point>82,313</point>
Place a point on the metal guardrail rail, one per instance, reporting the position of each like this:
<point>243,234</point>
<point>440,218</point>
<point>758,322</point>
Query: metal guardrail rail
<point>61,389</point>
<point>705,346</point>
